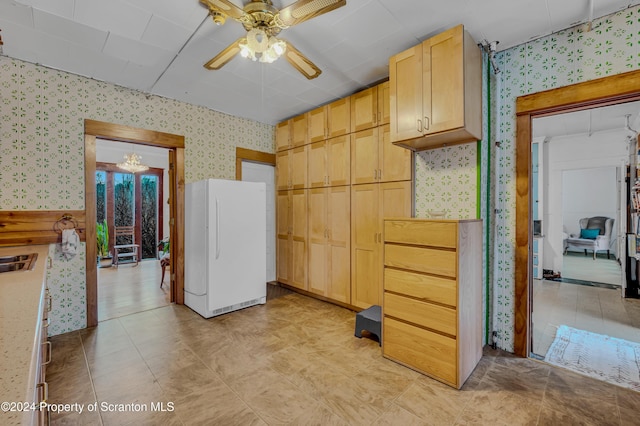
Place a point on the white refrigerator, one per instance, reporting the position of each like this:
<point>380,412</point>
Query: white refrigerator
<point>225,246</point>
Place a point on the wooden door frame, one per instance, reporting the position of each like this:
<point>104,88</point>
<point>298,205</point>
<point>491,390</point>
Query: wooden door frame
<point>117,132</point>
<point>604,91</point>
<point>243,154</point>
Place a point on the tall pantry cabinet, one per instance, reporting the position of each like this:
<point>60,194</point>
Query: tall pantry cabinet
<point>354,178</point>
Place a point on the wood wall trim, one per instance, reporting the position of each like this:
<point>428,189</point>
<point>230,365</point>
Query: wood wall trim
<point>26,227</point>
<point>582,95</point>
<point>119,132</point>
<point>243,154</point>
<point>90,210</point>
<point>605,91</point>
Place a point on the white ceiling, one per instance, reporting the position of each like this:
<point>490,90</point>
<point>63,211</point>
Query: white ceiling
<point>588,122</point>
<point>159,46</point>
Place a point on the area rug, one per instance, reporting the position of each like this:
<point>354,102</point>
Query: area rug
<point>602,357</point>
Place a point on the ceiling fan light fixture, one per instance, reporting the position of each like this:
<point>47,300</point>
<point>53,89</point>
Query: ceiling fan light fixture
<point>257,40</point>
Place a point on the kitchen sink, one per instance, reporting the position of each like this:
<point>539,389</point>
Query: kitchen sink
<point>20,262</point>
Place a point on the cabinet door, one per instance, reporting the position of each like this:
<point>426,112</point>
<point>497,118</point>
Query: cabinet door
<point>339,117</point>
<point>365,246</point>
<point>299,239</point>
<point>283,164</point>
<point>299,131</point>
<point>405,94</point>
<point>383,103</point>
<point>317,124</point>
<point>443,76</point>
<point>364,109</point>
<point>283,230</point>
<point>283,135</point>
<point>318,262</point>
<point>298,167</point>
<point>317,164</point>
<point>396,163</point>
<point>339,243</point>
<point>396,200</point>
<point>339,161</point>
<point>364,156</point>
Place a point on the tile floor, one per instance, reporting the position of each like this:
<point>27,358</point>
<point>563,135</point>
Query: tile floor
<point>295,361</point>
<point>595,309</point>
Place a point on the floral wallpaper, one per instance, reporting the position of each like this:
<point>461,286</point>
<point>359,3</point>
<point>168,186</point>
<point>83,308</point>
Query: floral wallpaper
<point>567,57</point>
<point>42,114</point>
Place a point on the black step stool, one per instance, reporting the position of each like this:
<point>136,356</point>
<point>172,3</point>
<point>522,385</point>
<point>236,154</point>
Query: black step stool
<point>370,319</point>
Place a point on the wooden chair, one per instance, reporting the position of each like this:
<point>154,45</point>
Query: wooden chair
<point>130,250</point>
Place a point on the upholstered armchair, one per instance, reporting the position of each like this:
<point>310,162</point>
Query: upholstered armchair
<point>595,234</point>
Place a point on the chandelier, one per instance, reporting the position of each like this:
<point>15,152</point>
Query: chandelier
<point>259,46</point>
<point>132,163</point>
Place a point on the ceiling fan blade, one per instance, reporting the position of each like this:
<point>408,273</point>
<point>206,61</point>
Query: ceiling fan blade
<point>225,56</point>
<point>303,10</point>
<point>227,8</point>
<point>301,62</point>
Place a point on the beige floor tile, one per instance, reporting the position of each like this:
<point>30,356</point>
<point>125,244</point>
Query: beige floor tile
<point>500,407</point>
<point>396,415</point>
<point>434,402</point>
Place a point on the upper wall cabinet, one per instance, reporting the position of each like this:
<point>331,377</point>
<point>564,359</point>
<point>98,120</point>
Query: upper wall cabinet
<point>370,107</point>
<point>283,135</point>
<point>339,115</point>
<point>299,132</point>
<point>435,92</point>
<point>317,124</point>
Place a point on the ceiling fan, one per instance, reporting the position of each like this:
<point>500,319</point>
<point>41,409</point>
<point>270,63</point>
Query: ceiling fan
<point>263,22</point>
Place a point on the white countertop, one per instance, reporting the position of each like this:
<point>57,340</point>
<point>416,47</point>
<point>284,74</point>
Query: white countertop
<point>20,317</point>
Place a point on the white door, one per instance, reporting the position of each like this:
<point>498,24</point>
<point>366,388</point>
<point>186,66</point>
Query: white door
<point>259,172</point>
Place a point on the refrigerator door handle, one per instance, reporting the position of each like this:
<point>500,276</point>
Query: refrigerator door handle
<point>217,228</point>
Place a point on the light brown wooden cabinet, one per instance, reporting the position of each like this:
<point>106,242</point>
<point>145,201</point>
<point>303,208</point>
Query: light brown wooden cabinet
<point>299,131</point>
<point>317,124</point>
<point>370,107</point>
<point>436,92</point>
<point>291,240</point>
<point>375,159</point>
<point>283,135</point>
<point>329,242</point>
<point>329,162</point>
<point>432,311</point>
<point>339,117</point>
<point>291,168</point>
<point>370,204</point>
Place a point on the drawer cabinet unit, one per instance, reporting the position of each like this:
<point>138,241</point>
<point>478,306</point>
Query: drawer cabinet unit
<point>436,92</point>
<point>432,307</point>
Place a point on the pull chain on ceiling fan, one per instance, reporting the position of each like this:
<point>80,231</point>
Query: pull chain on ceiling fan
<point>263,22</point>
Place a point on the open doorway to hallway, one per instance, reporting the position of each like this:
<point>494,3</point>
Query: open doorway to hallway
<point>138,200</point>
<point>579,166</point>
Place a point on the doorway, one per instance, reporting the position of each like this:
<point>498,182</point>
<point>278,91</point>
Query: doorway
<point>175,145</point>
<point>256,166</point>
<point>136,200</point>
<point>600,92</point>
<point>577,161</point>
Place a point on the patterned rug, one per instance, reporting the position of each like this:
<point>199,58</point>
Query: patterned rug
<point>602,357</point>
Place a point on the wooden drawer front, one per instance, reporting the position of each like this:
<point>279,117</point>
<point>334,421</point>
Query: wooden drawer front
<point>427,315</point>
<point>431,261</point>
<point>428,352</point>
<point>425,287</point>
<point>428,233</point>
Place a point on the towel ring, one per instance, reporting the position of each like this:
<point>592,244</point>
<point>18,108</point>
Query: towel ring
<point>64,222</point>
